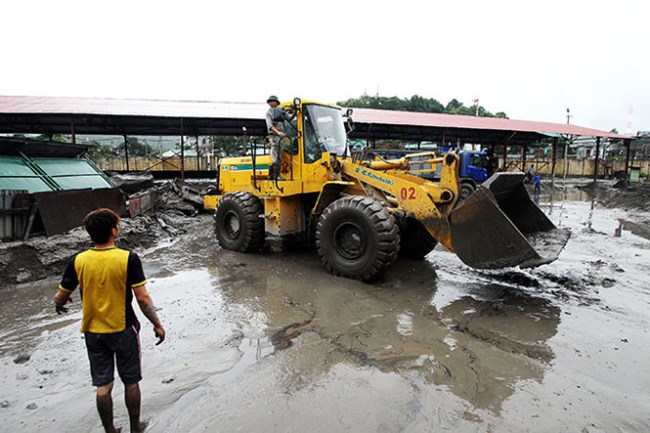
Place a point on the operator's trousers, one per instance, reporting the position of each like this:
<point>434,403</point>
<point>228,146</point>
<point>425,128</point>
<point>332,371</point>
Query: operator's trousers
<point>276,154</point>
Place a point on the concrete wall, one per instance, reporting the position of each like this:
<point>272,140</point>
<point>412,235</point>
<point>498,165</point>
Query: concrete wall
<point>577,168</point>
<point>146,163</point>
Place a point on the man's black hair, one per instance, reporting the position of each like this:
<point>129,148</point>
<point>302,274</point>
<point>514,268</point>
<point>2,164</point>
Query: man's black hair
<point>100,223</point>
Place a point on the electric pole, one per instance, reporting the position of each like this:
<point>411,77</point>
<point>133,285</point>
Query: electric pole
<point>566,143</point>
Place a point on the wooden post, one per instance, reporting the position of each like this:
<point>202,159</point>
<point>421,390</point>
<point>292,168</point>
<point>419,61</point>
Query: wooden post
<point>198,158</point>
<point>554,160</point>
<point>182,152</point>
<point>74,135</point>
<point>126,152</point>
<point>524,150</point>
<point>626,142</point>
<point>596,160</point>
<point>566,156</point>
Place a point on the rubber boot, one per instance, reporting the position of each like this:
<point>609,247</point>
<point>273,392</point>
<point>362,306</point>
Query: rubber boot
<point>278,172</point>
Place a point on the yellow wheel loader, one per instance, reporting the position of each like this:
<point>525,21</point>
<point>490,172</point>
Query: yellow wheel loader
<point>361,215</point>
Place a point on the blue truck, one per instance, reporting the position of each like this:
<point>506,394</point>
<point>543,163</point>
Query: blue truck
<point>474,169</point>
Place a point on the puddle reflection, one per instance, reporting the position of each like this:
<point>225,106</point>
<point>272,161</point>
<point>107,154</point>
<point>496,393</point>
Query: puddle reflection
<point>478,347</point>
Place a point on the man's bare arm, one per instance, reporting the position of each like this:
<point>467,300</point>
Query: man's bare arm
<point>60,299</point>
<point>146,306</point>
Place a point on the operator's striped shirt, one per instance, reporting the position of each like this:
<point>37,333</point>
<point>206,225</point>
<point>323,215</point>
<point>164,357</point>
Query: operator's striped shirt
<point>106,278</point>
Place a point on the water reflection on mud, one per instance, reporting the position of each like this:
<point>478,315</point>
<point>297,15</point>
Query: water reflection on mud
<point>478,348</point>
<point>271,342</point>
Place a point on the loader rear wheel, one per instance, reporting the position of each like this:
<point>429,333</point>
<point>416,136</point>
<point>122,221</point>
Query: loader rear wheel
<point>415,240</point>
<point>237,222</point>
<point>357,237</point>
<point>466,189</point>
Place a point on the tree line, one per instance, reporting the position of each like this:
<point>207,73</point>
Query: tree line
<point>419,104</point>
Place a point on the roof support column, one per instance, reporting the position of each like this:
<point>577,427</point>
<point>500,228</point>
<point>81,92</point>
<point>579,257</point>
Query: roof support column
<point>198,158</point>
<point>596,160</point>
<point>626,142</point>
<point>524,150</point>
<point>505,155</point>
<point>126,151</point>
<point>566,156</point>
<point>182,151</point>
<point>74,135</point>
<point>554,160</point>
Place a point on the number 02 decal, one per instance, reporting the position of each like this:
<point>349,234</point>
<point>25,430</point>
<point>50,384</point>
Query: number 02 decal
<point>407,194</point>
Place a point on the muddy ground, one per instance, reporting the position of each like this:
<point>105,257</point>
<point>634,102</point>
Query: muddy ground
<point>272,343</point>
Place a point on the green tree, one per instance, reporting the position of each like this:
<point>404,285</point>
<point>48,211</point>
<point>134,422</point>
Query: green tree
<point>418,103</point>
<point>137,148</point>
<point>453,105</point>
<point>233,145</point>
<point>97,150</point>
<point>56,138</point>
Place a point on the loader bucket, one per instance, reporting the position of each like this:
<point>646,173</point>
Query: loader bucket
<point>499,226</point>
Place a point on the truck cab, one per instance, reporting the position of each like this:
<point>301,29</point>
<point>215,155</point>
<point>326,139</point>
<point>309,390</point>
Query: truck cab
<point>473,165</point>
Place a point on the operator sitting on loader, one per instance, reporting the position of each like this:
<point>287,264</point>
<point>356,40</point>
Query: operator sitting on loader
<point>275,118</point>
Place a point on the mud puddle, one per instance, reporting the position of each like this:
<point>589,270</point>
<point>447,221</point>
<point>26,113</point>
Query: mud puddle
<point>272,343</point>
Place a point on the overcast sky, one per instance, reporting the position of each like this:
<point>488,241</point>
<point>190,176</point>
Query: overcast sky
<point>532,59</point>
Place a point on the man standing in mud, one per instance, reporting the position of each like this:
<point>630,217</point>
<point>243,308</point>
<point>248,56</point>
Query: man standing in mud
<point>275,118</point>
<point>108,277</point>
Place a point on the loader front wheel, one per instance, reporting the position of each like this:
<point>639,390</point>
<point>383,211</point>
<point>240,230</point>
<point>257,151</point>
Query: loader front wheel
<point>357,237</point>
<point>237,222</point>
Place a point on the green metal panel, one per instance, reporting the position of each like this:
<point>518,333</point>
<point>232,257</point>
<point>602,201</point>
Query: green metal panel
<point>64,167</point>
<point>33,184</point>
<point>82,182</point>
<point>47,174</point>
<point>73,173</point>
<point>14,166</point>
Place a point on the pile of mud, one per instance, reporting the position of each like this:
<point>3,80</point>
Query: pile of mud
<point>634,197</point>
<point>42,257</point>
<point>176,203</point>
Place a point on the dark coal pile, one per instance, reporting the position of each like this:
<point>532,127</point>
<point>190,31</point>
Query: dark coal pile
<point>42,257</point>
<point>132,182</point>
<point>634,197</point>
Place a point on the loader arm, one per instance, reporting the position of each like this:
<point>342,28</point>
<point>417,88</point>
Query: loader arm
<point>497,226</point>
<point>428,202</point>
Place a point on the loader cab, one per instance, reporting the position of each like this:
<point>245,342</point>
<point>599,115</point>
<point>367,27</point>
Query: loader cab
<point>323,131</point>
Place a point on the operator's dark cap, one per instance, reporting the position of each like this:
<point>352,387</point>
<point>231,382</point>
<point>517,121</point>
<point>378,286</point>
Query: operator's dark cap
<point>273,98</point>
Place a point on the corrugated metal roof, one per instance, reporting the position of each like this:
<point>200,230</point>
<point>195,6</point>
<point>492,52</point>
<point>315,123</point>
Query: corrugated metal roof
<point>160,117</point>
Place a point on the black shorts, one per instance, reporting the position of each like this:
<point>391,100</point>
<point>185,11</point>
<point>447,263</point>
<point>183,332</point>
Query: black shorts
<point>104,349</point>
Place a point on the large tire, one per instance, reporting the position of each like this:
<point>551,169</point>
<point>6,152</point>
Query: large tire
<point>237,222</point>
<point>357,237</point>
<point>415,240</point>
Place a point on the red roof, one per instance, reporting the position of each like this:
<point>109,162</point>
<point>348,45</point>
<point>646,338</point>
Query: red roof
<point>160,117</point>
<point>406,118</point>
<point>130,107</point>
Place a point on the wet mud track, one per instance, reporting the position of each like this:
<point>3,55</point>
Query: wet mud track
<point>272,343</point>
